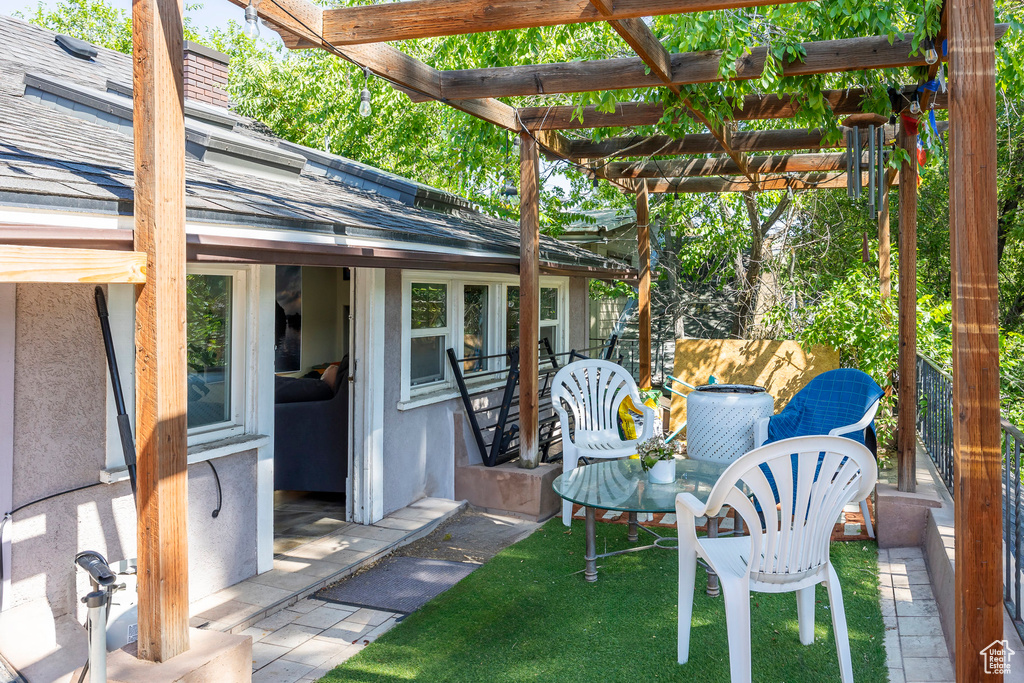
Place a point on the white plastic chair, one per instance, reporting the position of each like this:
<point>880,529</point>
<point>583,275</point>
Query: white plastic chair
<point>761,435</point>
<point>591,391</point>
<point>788,547</point>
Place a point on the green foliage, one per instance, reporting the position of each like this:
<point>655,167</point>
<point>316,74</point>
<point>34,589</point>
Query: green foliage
<point>852,318</point>
<point>95,21</point>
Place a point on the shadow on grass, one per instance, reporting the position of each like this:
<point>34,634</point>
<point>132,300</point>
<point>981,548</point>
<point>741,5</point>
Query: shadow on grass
<point>527,616</point>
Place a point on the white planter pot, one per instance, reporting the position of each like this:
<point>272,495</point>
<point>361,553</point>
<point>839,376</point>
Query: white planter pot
<point>663,472</point>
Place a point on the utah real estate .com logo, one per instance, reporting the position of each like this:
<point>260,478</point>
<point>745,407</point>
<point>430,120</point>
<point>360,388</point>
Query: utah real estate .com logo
<point>997,657</point>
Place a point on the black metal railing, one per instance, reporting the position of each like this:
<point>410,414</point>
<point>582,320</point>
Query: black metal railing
<point>498,439</point>
<point>935,415</point>
<point>935,425</point>
<point>1013,522</point>
<point>662,356</point>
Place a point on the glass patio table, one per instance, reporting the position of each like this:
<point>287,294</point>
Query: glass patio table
<point>623,485</point>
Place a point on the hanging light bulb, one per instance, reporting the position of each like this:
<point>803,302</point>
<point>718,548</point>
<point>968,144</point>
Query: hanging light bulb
<point>252,25</point>
<point>915,104</point>
<point>931,55</point>
<point>365,109</point>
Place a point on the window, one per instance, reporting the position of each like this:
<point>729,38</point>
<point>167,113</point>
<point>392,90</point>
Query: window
<point>474,328</point>
<point>476,316</point>
<point>209,349</point>
<point>429,333</point>
<point>216,312</point>
<point>549,319</point>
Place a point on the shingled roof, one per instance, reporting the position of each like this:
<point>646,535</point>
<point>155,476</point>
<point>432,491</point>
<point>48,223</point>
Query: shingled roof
<point>66,146</point>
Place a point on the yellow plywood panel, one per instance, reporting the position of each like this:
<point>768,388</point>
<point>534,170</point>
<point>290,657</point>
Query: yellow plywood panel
<point>782,367</point>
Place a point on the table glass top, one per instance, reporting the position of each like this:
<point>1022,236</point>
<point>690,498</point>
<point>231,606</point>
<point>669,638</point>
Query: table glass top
<point>623,485</point>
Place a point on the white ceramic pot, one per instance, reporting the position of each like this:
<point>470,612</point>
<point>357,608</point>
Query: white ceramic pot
<point>663,472</point>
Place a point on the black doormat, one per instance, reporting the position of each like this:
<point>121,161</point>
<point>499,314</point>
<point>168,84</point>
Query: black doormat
<point>401,584</point>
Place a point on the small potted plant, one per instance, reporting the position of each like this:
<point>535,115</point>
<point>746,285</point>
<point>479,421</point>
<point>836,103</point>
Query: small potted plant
<point>658,459</point>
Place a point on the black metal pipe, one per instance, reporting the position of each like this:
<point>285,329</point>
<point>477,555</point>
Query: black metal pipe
<point>124,425</point>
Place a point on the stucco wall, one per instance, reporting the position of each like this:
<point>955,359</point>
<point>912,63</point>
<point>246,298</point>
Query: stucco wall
<point>60,444</point>
<point>420,443</point>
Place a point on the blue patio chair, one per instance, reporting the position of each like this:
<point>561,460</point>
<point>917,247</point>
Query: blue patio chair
<point>835,403</point>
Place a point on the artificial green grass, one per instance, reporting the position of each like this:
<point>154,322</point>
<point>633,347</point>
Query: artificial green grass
<point>526,615</point>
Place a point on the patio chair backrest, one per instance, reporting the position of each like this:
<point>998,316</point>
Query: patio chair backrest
<point>791,530</point>
<point>591,390</point>
<point>836,398</point>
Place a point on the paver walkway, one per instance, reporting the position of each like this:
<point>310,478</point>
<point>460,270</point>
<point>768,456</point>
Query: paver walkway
<point>307,568</point>
<point>914,645</point>
<point>305,641</point>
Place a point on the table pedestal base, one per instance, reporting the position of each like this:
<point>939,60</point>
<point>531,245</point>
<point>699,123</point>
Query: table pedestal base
<point>664,542</point>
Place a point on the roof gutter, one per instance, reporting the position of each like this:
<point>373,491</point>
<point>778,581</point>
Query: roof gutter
<point>223,249</point>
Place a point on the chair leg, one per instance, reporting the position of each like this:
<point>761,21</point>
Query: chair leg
<point>569,463</point>
<point>867,518</point>
<point>805,614</point>
<point>687,579</point>
<point>736,595</point>
<point>835,601</point>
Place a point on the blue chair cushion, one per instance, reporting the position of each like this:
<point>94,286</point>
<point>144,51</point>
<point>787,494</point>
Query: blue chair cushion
<point>836,398</point>
<point>832,399</point>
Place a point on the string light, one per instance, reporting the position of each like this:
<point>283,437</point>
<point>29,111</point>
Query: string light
<point>915,104</point>
<point>931,55</point>
<point>252,26</point>
<point>365,108</point>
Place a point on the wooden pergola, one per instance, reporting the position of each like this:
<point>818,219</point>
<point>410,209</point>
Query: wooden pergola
<point>745,160</point>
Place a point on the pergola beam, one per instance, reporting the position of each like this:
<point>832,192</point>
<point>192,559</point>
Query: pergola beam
<point>751,108</point>
<point>803,181</point>
<point>828,56</point>
<point>59,264</point>
<point>699,143</point>
<point>385,22</point>
<point>785,163</point>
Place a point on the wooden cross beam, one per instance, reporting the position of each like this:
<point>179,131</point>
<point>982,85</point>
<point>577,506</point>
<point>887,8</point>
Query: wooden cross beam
<point>828,56</point>
<point>649,49</point>
<point>385,22</point>
<point>751,108</point>
<point>59,264</point>
<point>803,181</point>
<point>701,143</point>
<point>688,168</point>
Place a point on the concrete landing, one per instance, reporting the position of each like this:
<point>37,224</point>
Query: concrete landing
<point>303,570</point>
<point>211,658</point>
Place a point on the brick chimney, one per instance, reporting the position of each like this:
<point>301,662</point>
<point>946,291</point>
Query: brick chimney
<point>206,74</point>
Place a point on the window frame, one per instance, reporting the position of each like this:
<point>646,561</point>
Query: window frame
<point>408,334</point>
<point>497,285</point>
<point>238,399</point>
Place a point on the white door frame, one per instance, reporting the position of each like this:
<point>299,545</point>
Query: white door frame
<point>366,397</point>
<point>8,300</point>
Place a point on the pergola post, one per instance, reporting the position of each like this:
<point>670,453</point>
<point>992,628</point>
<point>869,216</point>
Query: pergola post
<point>976,432</point>
<point>906,428</point>
<point>643,241</point>
<point>160,364</point>
<point>529,298</point>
